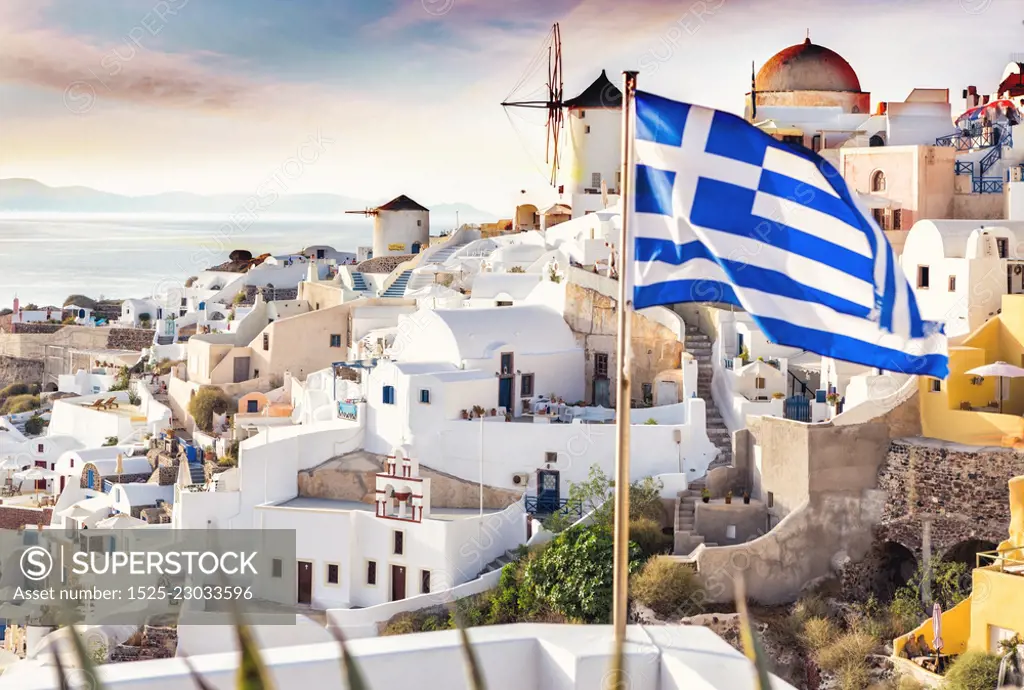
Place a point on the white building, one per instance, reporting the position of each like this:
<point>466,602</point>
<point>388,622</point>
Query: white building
<point>594,160</point>
<point>960,269</point>
<point>511,657</point>
<point>135,312</point>
<point>398,547</point>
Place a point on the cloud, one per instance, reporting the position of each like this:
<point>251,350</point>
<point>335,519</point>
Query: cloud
<point>126,70</point>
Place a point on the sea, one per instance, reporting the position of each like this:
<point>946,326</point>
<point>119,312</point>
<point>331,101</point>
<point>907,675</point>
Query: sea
<point>44,258</point>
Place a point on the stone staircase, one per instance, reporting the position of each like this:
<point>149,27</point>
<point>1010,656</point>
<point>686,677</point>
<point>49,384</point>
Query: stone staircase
<point>422,280</point>
<point>358,282</point>
<point>500,562</point>
<point>699,345</point>
<point>397,288</point>
<point>686,540</point>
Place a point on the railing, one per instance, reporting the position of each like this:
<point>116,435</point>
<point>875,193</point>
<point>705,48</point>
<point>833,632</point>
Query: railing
<point>998,558</point>
<point>990,158</point>
<point>987,185</point>
<point>536,505</point>
<point>964,168</point>
<point>727,362</point>
<point>348,410</point>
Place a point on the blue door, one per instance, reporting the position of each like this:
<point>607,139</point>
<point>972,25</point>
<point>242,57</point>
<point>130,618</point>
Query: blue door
<point>90,479</point>
<point>415,247</point>
<point>797,408</point>
<point>252,406</point>
<point>547,491</point>
<point>505,392</point>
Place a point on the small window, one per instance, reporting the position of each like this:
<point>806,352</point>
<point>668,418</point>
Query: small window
<point>266,341</point>
<point>1003,247</point>
<point>72,462</point>
<point>335,339</point>
<point>952,283</point>
<point>276,567</point>
<point>419,223</point>
<point>922,277</point>
<point>333,574</point>
<point>389,395</point>
<point>771,499</point>
<point>551,456</point>
<point>526,386</point>
<point>595,179</point>
<point>586,130</point>
<point>759,383</point>
<point>583,114</point>
<point>424,396</point>
<point>399,542</point>
<point>935,385</point>
<point>502,303</point>
<point>371,572</point>
<point>879,216</point>
<point>878,181</point>
<point>601,365</point>
<point>39,448</point>
<point>424,582</point>
<point>897,219</point>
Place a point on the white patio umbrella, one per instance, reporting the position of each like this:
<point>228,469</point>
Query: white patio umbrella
<point>35,474</point>
<point>76,512</point>
<point>121,521</point>
<point>1000,369</point>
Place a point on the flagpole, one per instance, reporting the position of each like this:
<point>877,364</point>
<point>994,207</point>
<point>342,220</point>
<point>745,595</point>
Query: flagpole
<point>620,585</point>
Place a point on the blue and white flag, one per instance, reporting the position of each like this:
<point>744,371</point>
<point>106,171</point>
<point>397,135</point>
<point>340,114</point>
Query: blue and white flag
<point>724,213</point>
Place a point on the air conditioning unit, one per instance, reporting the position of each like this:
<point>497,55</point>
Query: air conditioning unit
<point>1016,174</point>
<point>520,478</point>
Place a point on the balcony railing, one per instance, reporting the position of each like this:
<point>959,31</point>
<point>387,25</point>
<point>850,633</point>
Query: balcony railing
<point>728,363</point>
<point>1012,566</point>
<point>987,185</point>
<point>542,505</point>
<point>964,168</point>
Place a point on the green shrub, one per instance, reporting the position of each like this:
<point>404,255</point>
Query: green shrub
<point>34,426</point>
<point>647,534</point>
<point>14,389</point>
<point>651,421</point>
<point>819,633</point>
<point>207,401</point>
<point>811,606</point>
<point>238,298</point>
<point>17,404</point>
<point>973,671</point>
<point>668,587</point>
<point>573,574</point>
<point>849,649</point>
<point>111,441</point>
<point>854,676</point>
<point>401,624</point>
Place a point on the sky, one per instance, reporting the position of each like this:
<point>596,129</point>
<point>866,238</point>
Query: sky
<point>375,98</point>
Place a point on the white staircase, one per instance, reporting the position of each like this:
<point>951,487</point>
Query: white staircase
<point>422,280</point>
<point>686,539</point>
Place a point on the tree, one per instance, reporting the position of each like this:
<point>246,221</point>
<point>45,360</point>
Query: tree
<point>574,573</point>
<point>6,311</point>
<point>596,494</point>
<point>34,426</point>
<point>80,301</point>
<point>207,401</point>
<point>31,306</point>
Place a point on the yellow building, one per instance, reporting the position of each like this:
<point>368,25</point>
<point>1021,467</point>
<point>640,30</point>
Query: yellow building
<point>965,408</point>
<point>995,610</point>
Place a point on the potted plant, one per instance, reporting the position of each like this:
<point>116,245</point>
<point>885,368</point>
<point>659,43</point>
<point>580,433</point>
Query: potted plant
<point>746,497</point>
<point>465,414</point>
<point>728,497</point>
<point>778,396</point>
<point>494,412</point>
<point>478,411</point>
<point>832,399</point>
<point>705,495</point>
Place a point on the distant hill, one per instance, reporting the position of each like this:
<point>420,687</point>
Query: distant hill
<point>25,195</point>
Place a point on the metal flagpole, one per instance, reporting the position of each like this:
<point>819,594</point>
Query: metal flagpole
<point>620,586</point>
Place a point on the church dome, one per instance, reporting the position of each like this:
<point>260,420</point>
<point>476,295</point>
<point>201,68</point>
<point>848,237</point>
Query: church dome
<point>807,67</point>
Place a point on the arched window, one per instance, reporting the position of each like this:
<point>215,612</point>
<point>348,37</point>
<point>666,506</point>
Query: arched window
<point>876,140</point>
<point>878,181</point>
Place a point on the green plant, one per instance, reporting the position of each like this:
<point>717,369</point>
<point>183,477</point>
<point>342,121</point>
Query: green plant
<point>651,421</point>
<point>34,426</point>
<point>811,606</point>
<point>973,671</point>
<point>517,269</point>
<point>111,441</point>
<point>16,404</point>
<point>819,633</point>
<point>705,493</point>
<point>832,398</point>
<point>207,401</point>
<point>238,298</point>
<point>667,587</point>
<point>134,398</point>
<point>849,649</point>
<point>647,535</point>
<point>744,354</point>
<point>145,316</point>
<point>574,574</point>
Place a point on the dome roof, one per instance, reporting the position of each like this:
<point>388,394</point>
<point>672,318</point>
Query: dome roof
<point>807,67</point>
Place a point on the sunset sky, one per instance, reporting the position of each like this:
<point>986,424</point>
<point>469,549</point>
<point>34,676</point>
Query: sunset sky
<point>213,96</point>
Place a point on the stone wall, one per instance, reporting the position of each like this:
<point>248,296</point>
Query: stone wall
<point>35,327</point>
<point>352,478</point>
<point>129,338</point>
<point>593,318</point>
<point>12,517</point>
<point>16,369</point>
<point>960,490</point>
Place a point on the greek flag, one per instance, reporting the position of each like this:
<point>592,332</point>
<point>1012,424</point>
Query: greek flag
<point>726,214</point>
